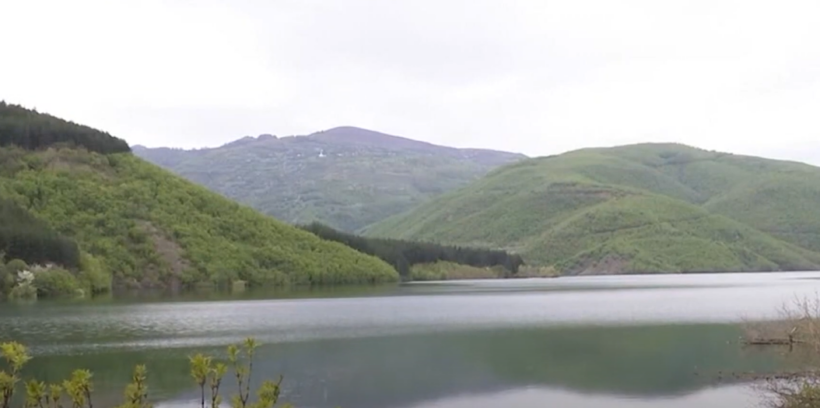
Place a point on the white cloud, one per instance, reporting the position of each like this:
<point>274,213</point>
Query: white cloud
<point>534,76</point>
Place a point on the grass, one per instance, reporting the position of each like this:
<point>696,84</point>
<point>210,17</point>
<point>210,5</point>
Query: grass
<point>649,208</point>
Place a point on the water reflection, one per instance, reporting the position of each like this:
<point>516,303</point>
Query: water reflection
<point>614,363</point>
<point>585,342</point>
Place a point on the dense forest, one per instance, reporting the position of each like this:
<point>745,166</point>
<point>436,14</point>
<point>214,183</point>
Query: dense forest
<point>404,254</point>
<point>32,130</point>
<point>24,237</point>
<point>83,214</point>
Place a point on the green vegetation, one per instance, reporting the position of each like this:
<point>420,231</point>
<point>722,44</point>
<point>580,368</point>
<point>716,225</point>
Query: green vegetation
<point>345,177</point>
<point>404,255</point>
<point>114,218</point>
<point>443,270</point>
<point>635,209</point>
<point>77,391</point>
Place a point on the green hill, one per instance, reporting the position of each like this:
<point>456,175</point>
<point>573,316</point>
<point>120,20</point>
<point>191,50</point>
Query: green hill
<point>77,197</point>
<point>344,177</point>
<point>638,208</point>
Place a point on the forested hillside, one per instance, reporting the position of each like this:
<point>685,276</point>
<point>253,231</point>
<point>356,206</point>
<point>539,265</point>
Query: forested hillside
<point>75,197</point>
<point>344,177</point>
<point>639,208</point>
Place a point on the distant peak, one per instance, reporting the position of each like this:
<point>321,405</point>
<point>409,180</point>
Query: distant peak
<point>250,139</point>
<point>343,131</point>
<point>360,136</point>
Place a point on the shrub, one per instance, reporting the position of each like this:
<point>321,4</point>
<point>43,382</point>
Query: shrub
<point>55,282</point>
<point>16,265</point>
<point>93,276</point>
<point>23,292</point>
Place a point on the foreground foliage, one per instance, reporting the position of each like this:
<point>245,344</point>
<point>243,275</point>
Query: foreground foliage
<point>89,212</point>
<point>641,208</point>
<point>76,391</point>
<point>403,255</point>
<point>346,177</point>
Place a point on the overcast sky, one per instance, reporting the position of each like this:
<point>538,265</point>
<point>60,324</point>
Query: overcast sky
<point>532,76</point>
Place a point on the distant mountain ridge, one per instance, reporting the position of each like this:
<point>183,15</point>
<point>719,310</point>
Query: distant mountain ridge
<point>345,177</point>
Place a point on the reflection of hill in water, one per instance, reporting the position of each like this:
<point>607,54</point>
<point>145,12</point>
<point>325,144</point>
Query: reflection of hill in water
<point>403,370</point>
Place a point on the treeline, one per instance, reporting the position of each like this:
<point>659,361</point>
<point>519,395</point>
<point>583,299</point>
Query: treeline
<point>404,254</point>
<point>22,236</point>
<point>32,130</point>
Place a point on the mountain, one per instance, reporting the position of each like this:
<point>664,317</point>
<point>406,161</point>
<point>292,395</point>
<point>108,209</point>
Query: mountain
<point>344,177</point>
<point>77,197</point>
<point>637,208</point>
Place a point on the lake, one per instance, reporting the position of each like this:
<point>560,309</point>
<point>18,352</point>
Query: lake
<point>602,341</point>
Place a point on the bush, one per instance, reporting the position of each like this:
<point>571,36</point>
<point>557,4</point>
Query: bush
<point>8,276</point>
<point>55,282</point>
<point>23,292</point>
<point>799,326</point>
<point>93,276</point>
<point>16,265</point>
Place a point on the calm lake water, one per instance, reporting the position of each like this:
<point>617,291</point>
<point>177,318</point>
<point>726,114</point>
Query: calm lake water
<point>613,341</point>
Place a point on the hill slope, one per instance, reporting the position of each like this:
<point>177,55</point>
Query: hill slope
<point>638,208</point>
<point>147,226</point>
<point>344,177</point>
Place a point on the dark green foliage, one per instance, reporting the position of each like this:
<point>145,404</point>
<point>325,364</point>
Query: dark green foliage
<point>404,254</point>
<point>345,177</point>
<point>642,208</point>
<point>32,130</point>
<point>6,281</point>
<point>25,237</point>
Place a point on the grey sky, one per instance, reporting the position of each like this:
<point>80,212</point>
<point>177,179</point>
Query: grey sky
<point>538,76</point>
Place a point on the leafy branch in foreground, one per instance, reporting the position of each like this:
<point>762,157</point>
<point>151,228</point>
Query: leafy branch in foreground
<point>77,390</point>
